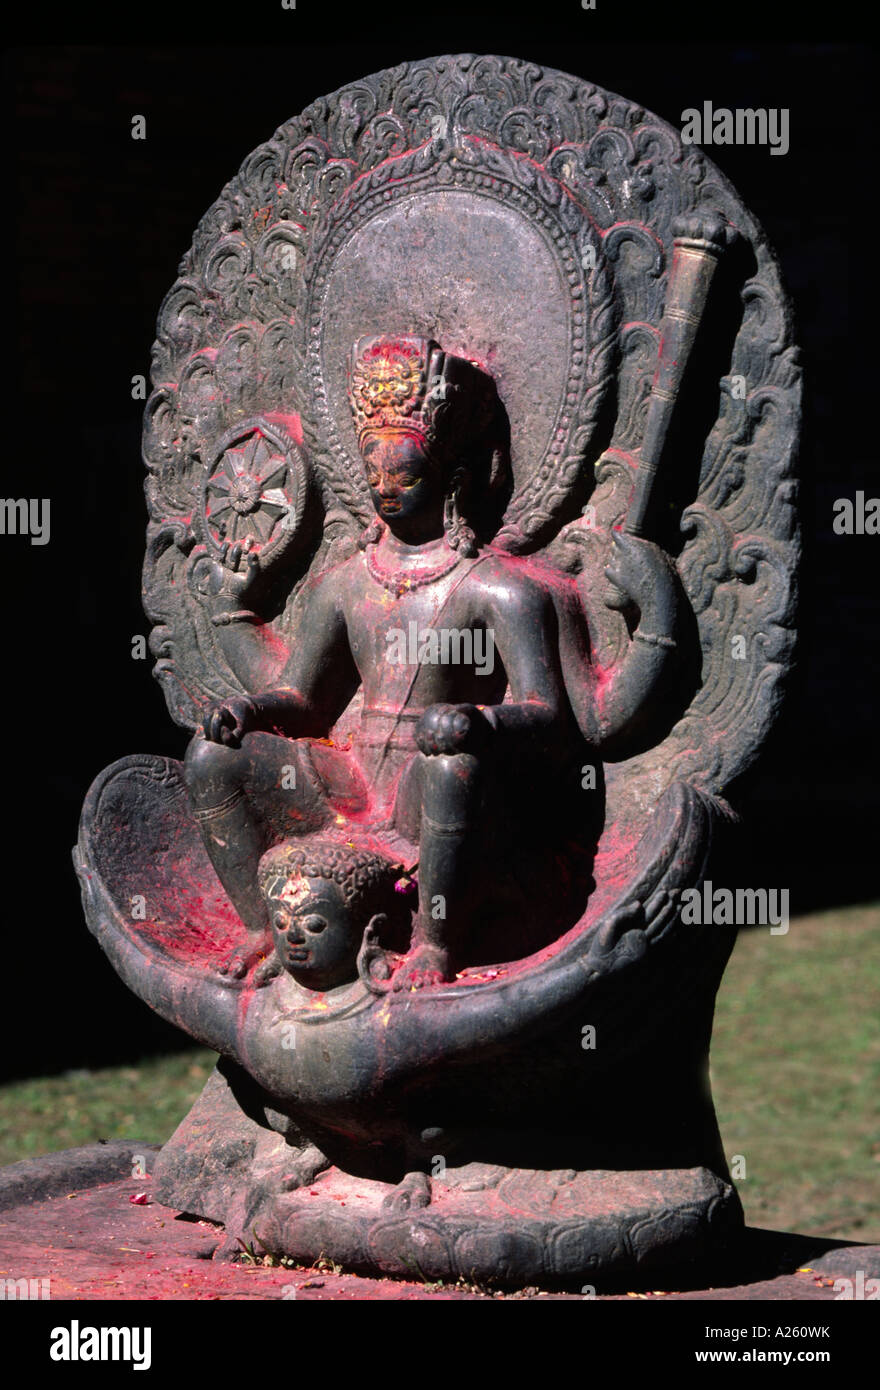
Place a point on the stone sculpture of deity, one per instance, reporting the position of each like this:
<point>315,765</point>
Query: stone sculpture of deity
<point>471,568</point>
<point>435,735</point>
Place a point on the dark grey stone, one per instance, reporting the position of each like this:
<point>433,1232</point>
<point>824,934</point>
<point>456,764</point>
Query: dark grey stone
<point>50,1175</point>
<point>476,347</point>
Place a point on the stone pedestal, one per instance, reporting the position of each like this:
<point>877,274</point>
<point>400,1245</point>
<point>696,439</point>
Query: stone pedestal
<point>485,1223</point>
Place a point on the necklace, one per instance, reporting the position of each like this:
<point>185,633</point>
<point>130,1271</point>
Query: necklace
<point>401,582</point>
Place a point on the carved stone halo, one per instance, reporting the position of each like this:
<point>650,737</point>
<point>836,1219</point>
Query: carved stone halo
<point>462,241</point>
<point>253,491</point>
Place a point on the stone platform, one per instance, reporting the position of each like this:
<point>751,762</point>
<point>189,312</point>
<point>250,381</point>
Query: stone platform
<point>71,1218</point>
<point>477,1221</point>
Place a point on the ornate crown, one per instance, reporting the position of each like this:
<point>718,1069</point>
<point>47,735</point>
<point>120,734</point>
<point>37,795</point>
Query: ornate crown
<point>409,383</point>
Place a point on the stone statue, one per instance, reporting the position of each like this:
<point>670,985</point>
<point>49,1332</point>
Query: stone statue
<point>431,735</point>
<point>470,563</point>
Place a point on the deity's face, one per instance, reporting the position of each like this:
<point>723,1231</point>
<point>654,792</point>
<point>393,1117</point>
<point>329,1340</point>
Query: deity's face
<point>405,486</point>
<point>313,932</point>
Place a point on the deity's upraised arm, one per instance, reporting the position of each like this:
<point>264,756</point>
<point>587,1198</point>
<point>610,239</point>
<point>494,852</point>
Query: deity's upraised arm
<point>319,677</point>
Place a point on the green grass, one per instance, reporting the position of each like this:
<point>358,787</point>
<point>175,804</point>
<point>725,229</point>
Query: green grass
<point>145,1102</point>
<point>795,1072</point>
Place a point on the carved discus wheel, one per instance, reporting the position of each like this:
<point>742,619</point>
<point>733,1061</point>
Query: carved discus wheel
<point>254,492</point>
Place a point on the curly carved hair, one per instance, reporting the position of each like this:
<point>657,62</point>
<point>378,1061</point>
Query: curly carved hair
<point>365,877</point>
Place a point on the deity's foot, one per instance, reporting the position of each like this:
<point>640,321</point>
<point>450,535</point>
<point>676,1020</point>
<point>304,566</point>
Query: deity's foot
<point>425,966</point>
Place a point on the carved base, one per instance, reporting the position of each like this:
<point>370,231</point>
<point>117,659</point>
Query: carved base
<point>481,1222</point>
<point>504,1225</point>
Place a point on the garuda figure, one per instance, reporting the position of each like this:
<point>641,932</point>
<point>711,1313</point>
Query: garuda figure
<point>470,562</point>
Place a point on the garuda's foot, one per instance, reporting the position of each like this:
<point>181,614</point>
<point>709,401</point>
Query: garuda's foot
<point>304,1168</point>
<point>426,965</point>
<point>411,1194</point>
<point>244,957</point>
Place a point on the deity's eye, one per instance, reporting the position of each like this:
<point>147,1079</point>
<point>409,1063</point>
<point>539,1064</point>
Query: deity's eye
<point>279,921</point>
<point>314,924</point>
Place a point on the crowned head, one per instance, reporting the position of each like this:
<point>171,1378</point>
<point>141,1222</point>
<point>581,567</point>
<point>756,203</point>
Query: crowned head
<point>428,430</point>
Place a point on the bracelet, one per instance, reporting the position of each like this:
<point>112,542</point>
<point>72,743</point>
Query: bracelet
<point>238,615</point>
<point>653,640</point>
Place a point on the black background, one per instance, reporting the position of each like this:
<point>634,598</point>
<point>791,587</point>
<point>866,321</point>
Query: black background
<point>97,223</point>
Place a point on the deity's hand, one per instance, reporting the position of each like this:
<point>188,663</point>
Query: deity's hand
<point>229,722</point>
<point>228,582</point>
<point>452,729</point>
<point>241,567</point>
<point>643,574</point>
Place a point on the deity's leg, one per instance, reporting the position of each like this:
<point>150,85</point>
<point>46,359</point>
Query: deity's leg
<point>226,786</point>
<point>451,788</point>
<point>232,836</point>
